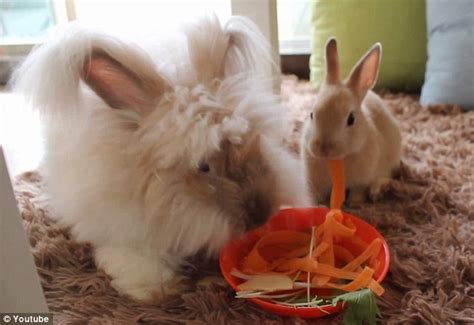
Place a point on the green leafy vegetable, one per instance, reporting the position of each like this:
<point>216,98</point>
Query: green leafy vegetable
<point>362,306</point>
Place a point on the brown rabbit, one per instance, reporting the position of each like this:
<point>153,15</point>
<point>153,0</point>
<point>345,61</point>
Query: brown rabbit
<point>348,121</point>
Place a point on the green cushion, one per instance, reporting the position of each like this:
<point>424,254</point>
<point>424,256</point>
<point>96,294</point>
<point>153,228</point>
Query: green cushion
<point>400,25</point>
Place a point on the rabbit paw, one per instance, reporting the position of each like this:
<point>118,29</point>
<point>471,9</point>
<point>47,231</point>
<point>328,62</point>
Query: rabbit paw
<point>212,279</point>
<point>378,188</point>
<point>357,196</point>
<point>143,278</point>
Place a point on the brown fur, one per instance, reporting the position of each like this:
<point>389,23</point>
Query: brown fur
<point>333,73</point>
<point>350,122</point>
<point>233,174</point>
<point>427,217</point>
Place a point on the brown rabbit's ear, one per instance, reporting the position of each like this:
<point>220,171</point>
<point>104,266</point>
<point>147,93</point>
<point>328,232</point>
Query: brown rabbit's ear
<point>364,74</point>
<point>119,86</point>
<point>332,62</point>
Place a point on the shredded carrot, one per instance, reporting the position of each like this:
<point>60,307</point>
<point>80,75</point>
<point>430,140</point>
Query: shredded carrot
<point>257,261</point>
<point>306,264</point>
<point>357,245</point>
<point>342,230</point>
<point>328,256</point>
<point>361,281</point>
<point>376,287</point>
<point>372,250</point>
<point>338,193</point>
<point>332,256</point>
<point>349,223</point>
<point>321,248</point>
<point>321,264</point>
<point>303,264</point>
<point>343,254</point>
<point>332,271</point>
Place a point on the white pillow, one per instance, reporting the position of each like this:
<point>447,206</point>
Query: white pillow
<point>449,77</point>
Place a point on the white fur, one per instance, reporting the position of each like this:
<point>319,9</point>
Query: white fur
<point>116,177</point>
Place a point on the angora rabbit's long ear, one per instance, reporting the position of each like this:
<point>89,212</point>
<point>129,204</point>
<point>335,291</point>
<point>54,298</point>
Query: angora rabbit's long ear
<point>217,52</point>
<point>120,74</point>
<point>207,46</point>
<point>123,82</point>
<point>248,50</point>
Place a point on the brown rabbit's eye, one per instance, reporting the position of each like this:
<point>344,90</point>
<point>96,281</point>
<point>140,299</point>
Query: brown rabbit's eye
<point>311,115</point>
<point>204,167</point>
<point>350,119</point>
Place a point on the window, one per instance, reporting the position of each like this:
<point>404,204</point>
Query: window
<point>22,25</point>
<point>294,26</point>
<point>24,22</point>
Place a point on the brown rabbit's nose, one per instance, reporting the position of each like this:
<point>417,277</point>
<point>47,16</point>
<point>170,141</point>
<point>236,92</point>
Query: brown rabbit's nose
<point>326,148</point>
<point>323,147</point>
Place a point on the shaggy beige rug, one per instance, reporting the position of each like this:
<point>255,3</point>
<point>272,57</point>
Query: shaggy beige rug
<point>426,216</point>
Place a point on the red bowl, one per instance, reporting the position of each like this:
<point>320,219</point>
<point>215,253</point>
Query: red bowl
<point>297,219</point>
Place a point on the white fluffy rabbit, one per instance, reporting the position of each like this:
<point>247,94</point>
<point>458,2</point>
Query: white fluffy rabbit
<point>348,121</point>
<point>152,165</point>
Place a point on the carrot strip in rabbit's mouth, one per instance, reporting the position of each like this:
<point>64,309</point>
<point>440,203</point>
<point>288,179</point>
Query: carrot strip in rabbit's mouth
<point>338,192</point>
